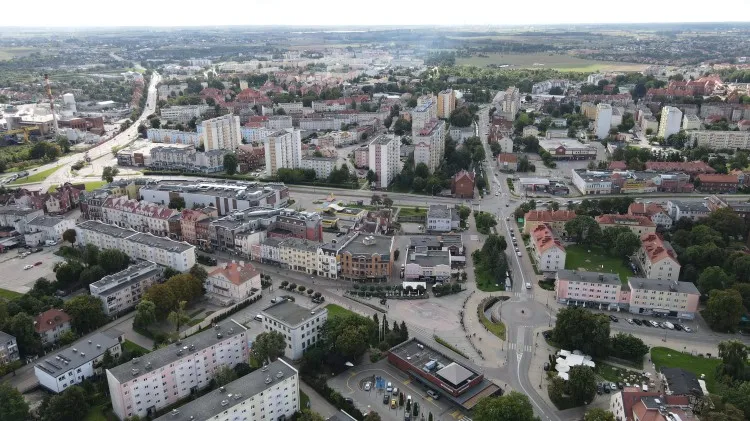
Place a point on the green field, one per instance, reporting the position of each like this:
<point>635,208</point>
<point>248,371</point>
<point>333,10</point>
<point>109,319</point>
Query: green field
<point>90,185</point>
<point>579,258</point>
<point>36,177</point>
<point>9,295</point>
<point>336,311</point>
<point>562,62</point>
<point>410,212</point>
<point>666,357</point>
<point>132,346</point>
<point>10,52</point>
<point>497,329</point>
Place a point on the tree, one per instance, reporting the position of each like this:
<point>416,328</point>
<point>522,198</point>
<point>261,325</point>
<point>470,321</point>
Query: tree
<point>199,272</point>
<point>91,254</point>
<point>13,406</point>
<point>511,407</point>
<point>733,354</point>
<point>67,337</point>
<point>179,316</point>
<point>177,203</point>
<point>72,404</point>
<point>724,310</point>
<point>346,335</point>
<point>242,369</point>
<point>376,200</point>
<point>404,331</point>
<point>86,313</point>
<point>739,397</point>
<point>145,314</point>
<point>387,202</point>
<point>69,235</point>
<point>269,346</point>
<point>577,328</point>
<point>461,117</point>
<point>374,416</point>
<point>371,176</point>
<point>626,244</point>
<point>155,123</point>
<point>163,298</point>
<point>712,278</point>
<point>225,375</point>
<point>67,275</point>
<point>396,254</point>
<point>598,414</point>
<point>230,163</point>
<point>22,327</point>
<point>583,229</point>
<point>581,384</point>
<point>308,415</point>
<point>628,347</point>
<point>113,260</point>
<point>421,170</point>
<point>109,174</point>
<point>91,275</point>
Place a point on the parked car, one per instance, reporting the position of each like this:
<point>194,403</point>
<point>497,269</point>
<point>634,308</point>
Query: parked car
<point>394,404</point>
<point>368,386</point>
<point>613,318</point>
<point>385,399</point>
<point>646,322</point>
<point>37,263</point>
<point>546,366</point>
<point>350,401</point>
<point>606,388</point>
<point>637,322</point>
<point>431,393</point>
<point>389,387</point>
<point>630,321</point>
<point>655,324</point>
<point>677,326</point>
<point>687,329</point>
<point>27,267</point>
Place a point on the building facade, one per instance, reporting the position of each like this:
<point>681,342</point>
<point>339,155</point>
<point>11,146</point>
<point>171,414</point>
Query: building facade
<point>123,290</point>
<point>8,348</point>
<point>446,103</point>
<point>49,325</point>
<point>384,159</point>
<point>321,165</point>
<point>47,228</point>
<point>590,289</point>
<point>657,258</point>
<point>233,282</point>
<point>664,298</point>
<point>716,139</point>
<point>429,144</point>
<point>603,120</point>
<point>137,215</point>
<point>548,250</point>
<point>299,255</point>
<point>301,327</point>
<point>638,225</point>
<point>366,258</point>
<point>441,218</point>
<point>671,121</point>
<point>283,150</point>
<point>222,133</point>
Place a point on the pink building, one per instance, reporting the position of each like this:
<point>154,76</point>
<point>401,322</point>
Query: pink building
<point>591,289</point>
<point>163,377</point>
<point>361,157</point>
<point>664,298</point>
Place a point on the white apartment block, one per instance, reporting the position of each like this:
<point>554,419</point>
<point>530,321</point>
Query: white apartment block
<point>137,215</point>
<point>222,133</point>
<point>163,251</point>
<point>318,123</point>
<point>18,217</point>
<point>692,210</point>
<point>183,113</point>
<point>65,368</point>
<point>165,90</point>
<point>548,250</point>
<point>658,259</point>
<point>441,218</point>
<point>429,144</point>
<point>603,121</point>
<point>301,327</point>
<point>720,139</point>
<point>174,137</point>
<point>165,376</point>
<point>425,111</point>
<point>233,282</point>
<point>255,134</point>
<point>511,102</point>
<point>321,165</point>
<point>123,290</point>
<point>506,144</point>
<point>279,122</point>
<point>691,122</point>
<point>384,158</point>
<point>271,393</point>
<point>8,348</point>
<point>187,159</point>
<point>283,150</point>
<point>671,121</point>
<point>44,228</point>
<point>290,107</point>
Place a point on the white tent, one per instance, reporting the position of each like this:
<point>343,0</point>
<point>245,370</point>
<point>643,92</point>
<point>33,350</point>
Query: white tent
<point>562,368</point>
<point>563,376</point>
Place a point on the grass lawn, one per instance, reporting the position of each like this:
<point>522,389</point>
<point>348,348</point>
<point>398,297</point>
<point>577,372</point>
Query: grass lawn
<point>90,185</point>
<point>96,413</point>
<point>336,310</point>
<point>579,258</point>
<point>36,177</point>
<point>666,357</point>
<point>8,294</point>
<point>561,62</point>
<point>488,282</point>
<point>304,400</point>
<point>497,329</point>
<point>132,346</point>
<point>611,373</point>
<point>406,212</point>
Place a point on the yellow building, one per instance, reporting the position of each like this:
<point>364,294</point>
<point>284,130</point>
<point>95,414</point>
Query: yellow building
<point>446,103</point>
<point>589,110</point>
<point>299,255</point>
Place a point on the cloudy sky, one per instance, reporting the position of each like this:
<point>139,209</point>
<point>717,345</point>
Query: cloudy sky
<point>373,12</point>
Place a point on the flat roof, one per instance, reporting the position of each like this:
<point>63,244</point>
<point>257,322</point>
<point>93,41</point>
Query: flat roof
<point>429,258</point>
<point>161,242</point>
<point>126,277</point>
<point>659,285</point>
<point>58,362</point>
<point>690,206</point>
<point>367,245</point>
<point>300,244</point>
<point>16,210</point>
<point>167,355</point>
<point>424,241</point>
<point>439,211</point>
<point>418,354</point>
<point>596,277</point>
<point>291,314</point>
<point>110,230</point>
<point>222,188</point>
<point>232,394</point>
<point>46,221</point>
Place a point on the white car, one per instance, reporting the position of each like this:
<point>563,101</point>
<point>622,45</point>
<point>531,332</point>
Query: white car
<point>518,253</point>
<point>27,267</point>
<point>687,329</point>
<point>368,386</point>
<point>389,387</point>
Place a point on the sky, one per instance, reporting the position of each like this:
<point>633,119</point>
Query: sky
<point>88,13</point>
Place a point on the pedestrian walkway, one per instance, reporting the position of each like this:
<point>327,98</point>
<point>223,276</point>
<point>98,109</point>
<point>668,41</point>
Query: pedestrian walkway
<point>317,403</point>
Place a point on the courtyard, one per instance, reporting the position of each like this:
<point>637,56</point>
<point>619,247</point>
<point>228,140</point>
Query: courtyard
<point>594,259</point>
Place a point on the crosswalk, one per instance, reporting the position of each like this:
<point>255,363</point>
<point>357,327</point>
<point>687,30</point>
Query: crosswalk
<point>519,347</point>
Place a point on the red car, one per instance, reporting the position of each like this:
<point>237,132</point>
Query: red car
<point>37,263</point>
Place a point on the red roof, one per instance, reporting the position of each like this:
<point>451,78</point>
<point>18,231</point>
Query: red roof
<point>718,178</point>
<point>611,219</point>
<point>693,167</point>
<point>544,239</point>
<point>507,157</point>
<point>550,216</point>
<point>633,395</point>
<point>151,210</point>
<point>656,249</point>
<point>463,173</point>
<point>645,209</point>
<point>236,273</point>
<point>618,165</point>
<point>50,319</point>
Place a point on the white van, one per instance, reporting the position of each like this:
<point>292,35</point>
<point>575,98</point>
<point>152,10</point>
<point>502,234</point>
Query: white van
<point>259,318</point>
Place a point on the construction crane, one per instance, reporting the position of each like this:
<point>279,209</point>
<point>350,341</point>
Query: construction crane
<point>23,130</point>
<point>51,100</point>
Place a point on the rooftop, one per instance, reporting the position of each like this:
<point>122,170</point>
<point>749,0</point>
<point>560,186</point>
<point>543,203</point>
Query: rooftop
<point>690,206</point>
<point>161,242</point>
<point>300,244</point>
<point>596,277</point>
<point>242,190</point>
<point>610,219</point>
<point>680,381</point>
<point>16,210</point>
<point>50,319</point>
<point>361,245</point>
<point>544,238</point>
<point>657,249</point>
<point>418,354</point>
<point>424,241</point>
<point>232,394</point>
<point>291,314</point>
<point>439,211</point>
<point>107,229</point>
<point>659,285</point>
<point>382,140</point>
<point>236,273</point>
<point>126,277</point>
<point>164,356</point>
<point>718,178</point>
<point>77,354</point>
<point>549,216</point>
<point>46,221</point>
<point>429,258</point>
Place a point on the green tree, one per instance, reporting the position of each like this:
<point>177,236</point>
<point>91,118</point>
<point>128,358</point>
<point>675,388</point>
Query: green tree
<point>371,176</point>
<point>583,229</point>
<point>225,375</point>
<point>724,310</point>
<point>109,174</point>
<point>91,275</point>
<point>155,123</point>
<point>733,354</point>
<point>91,254</point>
<point>376,200</point>
<point>738,396</point>
<point>577,328</point>
<point>230,163</point>
<point>581,384</point>
<point>199,272</point>
<point>21,326</point>
<point>72,404</point>
<point>13,406</point>
<point>308,415</point>
<point>511,407</point>
<point>179,316</point>
<point>177,203</point>
<point>387,202</point>
<point>86,313</point>
<point>113,260</point>
<point>145,314</point>
<point>421,170</point>
<point>712,278</point>
<point>374,416</point>
<point>628,347</point>
<point>626,244</point>
<point>346,333</point>
<point>69,235</point>
<point>269,346</point>
<point>67,337</point>
<point>67,275</point>
<point>598,414</point>
<point>163,298</point>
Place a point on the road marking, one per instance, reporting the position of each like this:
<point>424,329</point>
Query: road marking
<point>407,381</point>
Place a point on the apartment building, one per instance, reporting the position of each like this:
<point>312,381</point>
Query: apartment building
<point>305,225</point>
<point>271,393</point>
<point>678,209</point>
<point>299,255</point>
<point>49,325</point>
<point>164,377</point>
<point>555,220</point>
<point>173,158</point>
<point>603,121</point>
<point>657,258</point>
<point>160,250</point>
<point>290,107</point>
<point>590,289</point>
<point>189,221</point>
<point>8,348</point>
<point>62,369</point>
<point>166,90</point>
<point>362,157</point>
<point>123,290</point>
<point>663,298</point>
<point>46,228</point>
<point>232,282</point>
<point>184,113</point>
<point>321,165</point>
<point>137,215</point>
<point>283,150</point>
<point>511,103</point>
<point>301,327</point>
<point>655,212</point>
<point>18,217</point>
<point>279,122</point>
<point>174,137</point>
<point>250,158</point>
<point>691,168</point>
<point>221,133</point>
<point>691,122</point>
<point>638,225</point>
<point>429,144</point>
<point>384,154</point>
<point>715,139</point>
<point>425,111</point>
<point>427,265</point>
<point>366,257</point>
<point>718,183</point>
<point>671,121</point>
<point>226,196</point>
<point>270,251</point>
<point>548,250</point>
<point>446,103</point>
<point>441,218</point>
<point>255,133</point>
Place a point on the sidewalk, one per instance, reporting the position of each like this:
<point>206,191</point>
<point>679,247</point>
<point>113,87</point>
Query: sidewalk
<point>317,403</point>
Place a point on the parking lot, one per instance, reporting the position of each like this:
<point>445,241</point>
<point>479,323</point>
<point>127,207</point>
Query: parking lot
<point>351,384</point>
<point>22,280</point>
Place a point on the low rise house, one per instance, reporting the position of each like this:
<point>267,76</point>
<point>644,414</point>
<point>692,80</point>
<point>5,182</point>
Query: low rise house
<point>638,225</point>
<point>232,282</point>
<point>47,228</point>
<point>507,162</point>
<point>657,258</point>
<point>462,185</point>
<point>301,327</point>
<point>678,209</point>
<point>556,220</point>
<point>653,211</point>
<point>429,265</point>
<point>548,250</point>
<point>50,324</point>
<point>632,403</point>
<point>441,218</point>
<point>123,290</point>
